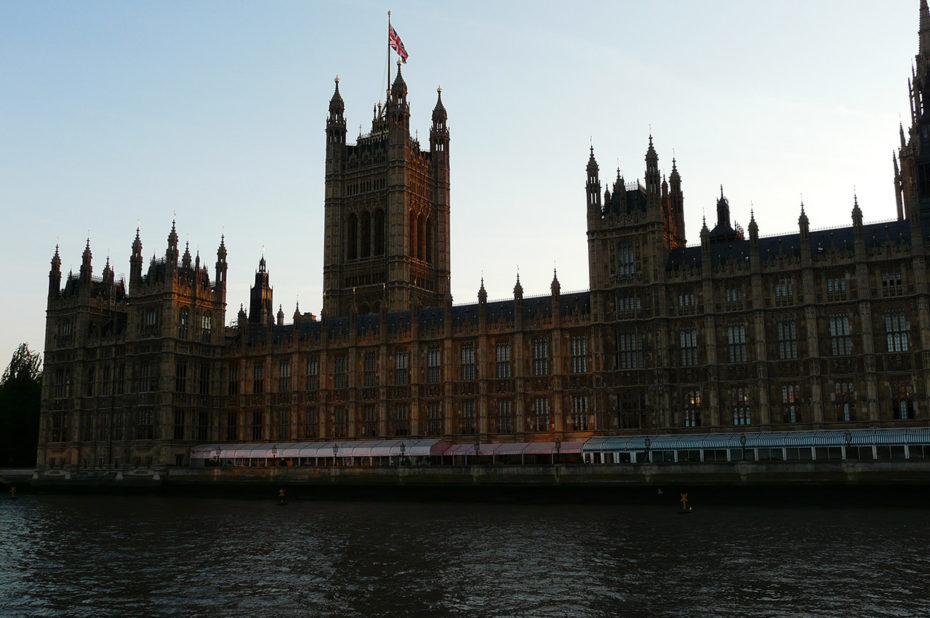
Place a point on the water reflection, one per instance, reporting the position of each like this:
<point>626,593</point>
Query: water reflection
<point>91,555</point>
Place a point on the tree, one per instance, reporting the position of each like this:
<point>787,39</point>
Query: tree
<point>20,396</point>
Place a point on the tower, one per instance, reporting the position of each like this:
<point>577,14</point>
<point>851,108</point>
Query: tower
<point>260,296</point>
<point>386,211</point>
<point>912,181</point>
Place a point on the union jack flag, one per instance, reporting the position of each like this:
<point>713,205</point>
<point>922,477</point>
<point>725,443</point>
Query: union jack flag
<point>396,44</point>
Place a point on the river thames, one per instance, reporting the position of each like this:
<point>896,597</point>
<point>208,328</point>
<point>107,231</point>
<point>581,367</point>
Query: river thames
<point>143,555</point>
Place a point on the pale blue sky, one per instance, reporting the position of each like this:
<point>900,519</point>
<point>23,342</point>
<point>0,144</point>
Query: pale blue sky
<point>113,112</point>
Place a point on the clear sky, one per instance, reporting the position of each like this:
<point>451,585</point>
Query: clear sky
<point>118,112</point>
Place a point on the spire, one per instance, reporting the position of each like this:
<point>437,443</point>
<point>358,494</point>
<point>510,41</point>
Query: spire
<point>924,29</point>
<point>399,88</point>
<point>482,293</point>
<point>54,275</point>
<point>652,170</point>
<point>336,105</point>
<point>186,258</point>
<point>85,262</point>
<point>280,315</point>
<point>173,236</point>
<point>803,222</point>
<point>753,226</point>
<point>555,286</point>
<point>592,162</point>
<point>518,289</point>
<point>137,245</point>
<point>439,112</point>
<point>856,212</point>
<point>56,262</point>
<point>221,250</point>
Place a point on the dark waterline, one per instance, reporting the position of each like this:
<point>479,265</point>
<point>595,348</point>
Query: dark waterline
<point>135,555</point>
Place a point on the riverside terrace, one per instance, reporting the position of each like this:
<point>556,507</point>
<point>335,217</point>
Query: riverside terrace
<point>715,448</point>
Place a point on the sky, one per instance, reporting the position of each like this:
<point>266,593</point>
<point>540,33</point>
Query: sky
<point>118,114</point>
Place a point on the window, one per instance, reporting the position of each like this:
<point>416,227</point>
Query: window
<point>734,298</point>
<point>340,423</point>
<point>150,319</point>
<point>434,420</point>
<point>313,373</point>
<point>579,351</point>
<point>57,427</point>
<point>89,382</point>
<point>233,380</point>
<point>340,372</point>
<point>628,304</point>
<point>736,343</point>
<point>144,427</point>
<point>257,425</point>
<point>401,420</point>
<point>504,416</point>
<point>149,377</point>
<point>179,424</point>
<point>469,420</point>
<point>467,353</point>
<point>836,289</point>
<point>740,402</point>
<point>540,414</point>
<point>840,339</point>
<point>896,329</point>
<point>64,328</point>
<point>580,413</point>
<point>540,357</point>
<point>284,376</point>
<point>106,382</point>
<point>433,370</point>
<point>844,400</point>
<point>203,426</point>
<point>787,331</point>
<point>232,428</point>
<point>370,421</point>
<point>503,360</point>
<point>206,327</point>
<point>689,351</point>
<point>630,350</point>
<point>401,369</point>
<point>184,317</point>
<point>692,413</point>
<point>790,394</point>
<point>686,301</point>
<point>370,369</point>
<point>258,377</point>
<point>204,382</point>
<point>626,259</point>
<point>904,404</point>
<point>784,293</point>
<point>891,284</point>
<point>120,381</point>
<point>311,423</point>
<point>61,386</point>
<point>180,377</point>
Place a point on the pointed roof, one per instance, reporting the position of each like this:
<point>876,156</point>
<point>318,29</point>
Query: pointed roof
<point>439,112</point>
<point>336,105</point>
<point>399,88</point>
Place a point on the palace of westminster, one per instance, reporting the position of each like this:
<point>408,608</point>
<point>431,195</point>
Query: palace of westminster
<point>818,329</point>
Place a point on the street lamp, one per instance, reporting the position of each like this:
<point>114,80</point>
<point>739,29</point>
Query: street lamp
<point>335,452</point>
<point>274,456</point>
<point>742,443</point>
<point>219,452</point>
<point>558,448</point>
<point>648,443</point>
<point>403,449</point>
<point>477,448</point>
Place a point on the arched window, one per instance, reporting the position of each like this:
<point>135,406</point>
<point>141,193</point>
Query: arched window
<point>351,237</point>
<point>379,232</point>
<point>366,234</point>
<point>184,318</point>
<point>429,240</point>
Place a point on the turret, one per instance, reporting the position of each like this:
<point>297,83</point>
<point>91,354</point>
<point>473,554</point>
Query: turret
<point>439,132</point>
<point>804,224</point>
<point>86,270</point>
<point>398,109</point>
<point>677,205</point>
<point>107,274</point>
<point>280,316</point>
<point>135,262</point>
<point>723,231</point>
<point>652,174</point>
<point>518,290</point>
<point>856,214</point>
<point>482,293</point>
<point>54,275</point>
<point>186,258</point>
<point>336,123</point>
<point>171,255</point>
<point>593,187</point>
<point>221,267</point>
<point>260,306</point>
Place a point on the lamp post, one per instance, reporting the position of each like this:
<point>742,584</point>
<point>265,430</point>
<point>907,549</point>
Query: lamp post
<point>558,449</point>
<point>847,438</point>
<point>274,456</point>
<point>335,452</point>
<point>477,448</point>
<point>403,450</point>
<point>648,443</point>
<point>219,452</point>
<point>742,443</point>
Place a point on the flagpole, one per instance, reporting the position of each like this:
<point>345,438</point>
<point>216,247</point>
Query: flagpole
<point>389,56</point>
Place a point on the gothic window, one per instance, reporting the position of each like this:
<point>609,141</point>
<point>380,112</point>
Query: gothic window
<point>736,343</point>
<point>784,292</point>
<point>686,301</point>
<point>469,418</point>
<point>180,377</point>
<point>284,376</point>
<point>148,373</point>
<point>401,369</point>
<point>579,351</point>
<point>687,338</point>
<point>844,400</point>
<point>340,423</point>
<point>836,289</point>
<point>692,412</point>
<point>351,237</point>
<point>340,372</point>
<point>150,319</point>
<point>370,369</point>
<point>433,369</point>
<point>891,284</point>
<point>904,402</point>
<point>233,380</point>
<point>580,412</point>
<point>502,360</point>
<point>467,353</point>
<point>144,428</point>
<point>379,232</point>
<point>896,331</point>
<point>232,426</point>
<point>734,298</point>
<point>630,350</point>
<point>184,317</point>
<point>204,385</point>
<point>257,423</point>
<point>203,426</point>
<point>787,331</point>
<point>401,419</point>
<point>434,420</point>
<point>627,305</point>
<point>504,416</point>
<point>626,259</point>
<point>370,422</point>
<point>206,327</point>
<point>311,422</point>
<point>540,414</point>
<point>540,356</point>
<point>178,424</point>
<point>366,234</point>
<point>258,377</point>
<point>739,398</point>
<point>313,373</point>
<point>840,335</point>
<point>89,382</point>
<point>790,395</point>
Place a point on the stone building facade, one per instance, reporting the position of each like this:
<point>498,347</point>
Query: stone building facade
<point>819,329</point>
